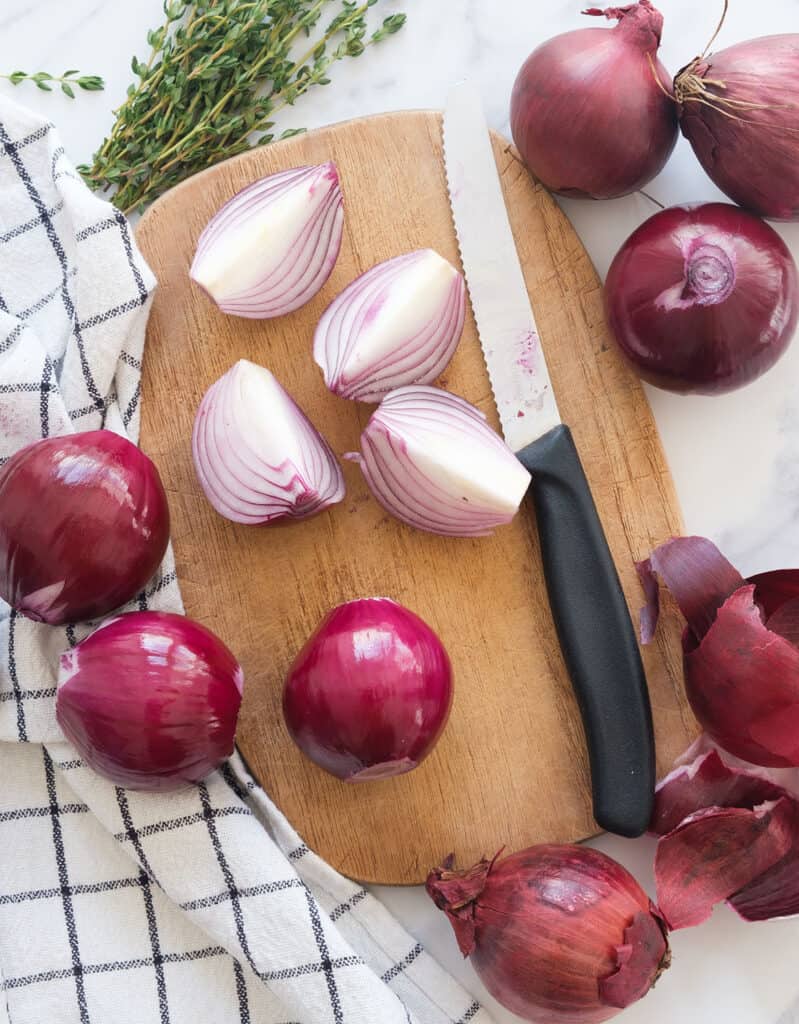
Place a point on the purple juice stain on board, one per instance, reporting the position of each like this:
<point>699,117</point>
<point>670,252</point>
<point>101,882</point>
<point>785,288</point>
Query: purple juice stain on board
<point>528,352</point>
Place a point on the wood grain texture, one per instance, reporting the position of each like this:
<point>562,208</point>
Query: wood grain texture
<point>511,768</point>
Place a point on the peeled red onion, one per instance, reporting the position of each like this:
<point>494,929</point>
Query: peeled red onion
<point>271,247</point>
<point>369,694</point>
<point>397,324</point>
<point>739,109</point>
<point>591,111</point>
<point>258,457</point>
<point>432,461</point>
<point>703,298</point>
<point>740,648</point>
<point>150,700</point>
<point>84,524</point>
<point>557,934</point>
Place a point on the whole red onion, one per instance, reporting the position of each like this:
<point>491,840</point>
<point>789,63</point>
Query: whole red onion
<point>150,700</point>
<point>369,694</point>
<point>557,934</point>
<point>703,298</point>
<point>591,110</point>
<point>84,524</point>
<point>739,109</point>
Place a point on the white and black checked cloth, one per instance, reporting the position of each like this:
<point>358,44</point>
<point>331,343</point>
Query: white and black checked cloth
<point>201,907</point>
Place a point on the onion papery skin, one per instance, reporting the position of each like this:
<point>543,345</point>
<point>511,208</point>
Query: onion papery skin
<point>591,110</point>
<point>557,934</point>
<point>741,665</point>
<point>739,109</point>
<point>432,461</point>
<point>150,700</point>
<point>728,831</point>
<point>397,324</point>
<point>702,298</point>
<point>258,457</point>
<point>84,524</point>
<point>369,694</point>
<point>272,247</point>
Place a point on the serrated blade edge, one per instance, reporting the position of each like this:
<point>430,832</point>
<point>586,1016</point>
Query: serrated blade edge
<point>506,326</point>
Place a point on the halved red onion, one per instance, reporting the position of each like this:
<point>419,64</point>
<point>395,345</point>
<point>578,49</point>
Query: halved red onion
<point>84,524</point>
<point>740,659</point>
<point>431,459</point>
<point>728,832</point>
<point>272,246</point>
<point>257,455</point>
<point>369,694</point>
<point>397,324</point>
<point>150,700</point>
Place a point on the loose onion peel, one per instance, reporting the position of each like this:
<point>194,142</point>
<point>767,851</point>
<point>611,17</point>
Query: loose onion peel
<point>741,666</point>
<point>727,832</point>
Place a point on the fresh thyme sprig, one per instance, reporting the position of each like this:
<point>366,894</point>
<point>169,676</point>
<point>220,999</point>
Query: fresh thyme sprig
<point>67,81</point>
<point>217,74</point>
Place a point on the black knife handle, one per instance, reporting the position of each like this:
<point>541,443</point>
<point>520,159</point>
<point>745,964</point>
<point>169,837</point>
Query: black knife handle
<point>596,635</point>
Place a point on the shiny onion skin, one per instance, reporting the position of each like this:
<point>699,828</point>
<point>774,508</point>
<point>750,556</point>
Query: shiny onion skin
<point>84,524</point>
<point>739,109</point>
<point>557,934</point>
<point>702,298</point>
<point>150,700</point>
<point>369,694</point>
<point>271,247</point>
<point>588,114</point>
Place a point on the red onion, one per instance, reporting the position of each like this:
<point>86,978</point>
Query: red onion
<point>739,109</point>
<point>432,461</point>
<point>703,298</point>
<point>397,324</point>
<point>591,111</point>
<point>741,665</point>
<point>727,833</point>
<point>556,933</point>
<point>150,700</point>
<point>369,694</point>
<point>273,245</point>
<point>84,524</point>
<point>258,457</point>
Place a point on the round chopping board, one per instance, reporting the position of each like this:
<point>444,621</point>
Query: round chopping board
<point>510,769</point>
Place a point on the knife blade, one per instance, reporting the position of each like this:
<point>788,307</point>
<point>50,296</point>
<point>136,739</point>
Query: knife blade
<point>588,606</point>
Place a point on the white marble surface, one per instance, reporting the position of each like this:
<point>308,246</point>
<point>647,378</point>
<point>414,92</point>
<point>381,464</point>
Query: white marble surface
<point>735,459</point>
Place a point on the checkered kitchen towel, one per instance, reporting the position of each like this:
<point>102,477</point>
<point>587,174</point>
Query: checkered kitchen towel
<point>202,907</point>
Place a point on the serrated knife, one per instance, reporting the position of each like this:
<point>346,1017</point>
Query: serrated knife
<point>589,610</point>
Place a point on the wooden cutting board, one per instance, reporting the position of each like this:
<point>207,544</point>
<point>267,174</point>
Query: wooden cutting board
<point>510,769</point>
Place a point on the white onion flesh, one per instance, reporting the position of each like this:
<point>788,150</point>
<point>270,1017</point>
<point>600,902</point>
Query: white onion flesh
<point>271,247</point>
<point>431,459</point>
<point>258,458</point>
<point>397,324</point>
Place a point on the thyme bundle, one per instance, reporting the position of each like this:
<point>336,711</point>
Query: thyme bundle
<point>217,74</point>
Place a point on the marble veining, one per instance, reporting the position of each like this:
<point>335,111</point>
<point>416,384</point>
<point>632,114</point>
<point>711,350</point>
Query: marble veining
<point>735,459</point>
